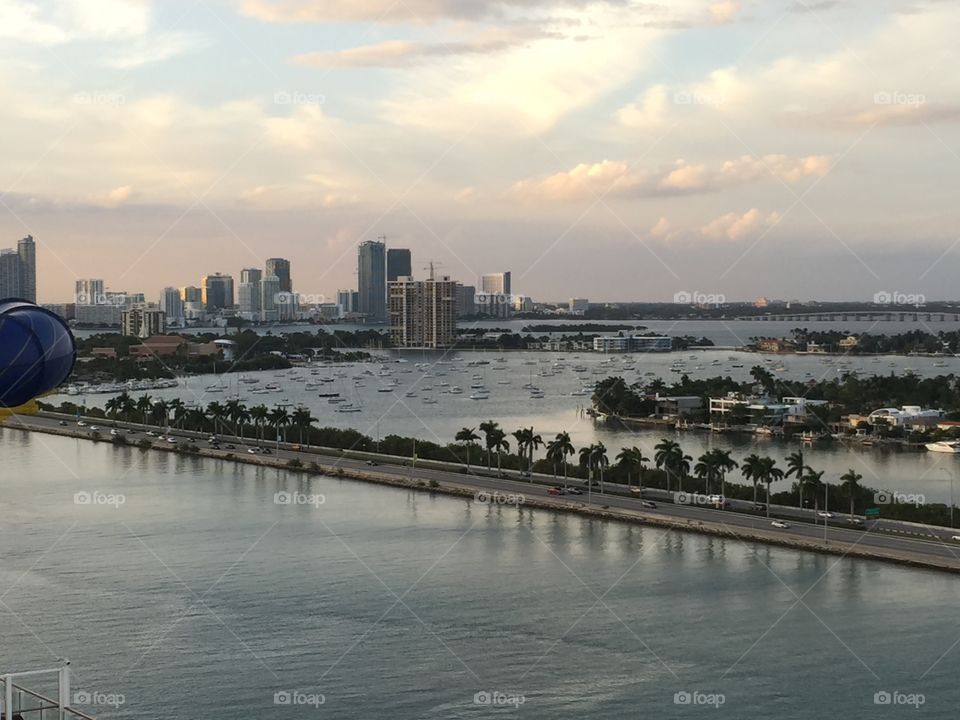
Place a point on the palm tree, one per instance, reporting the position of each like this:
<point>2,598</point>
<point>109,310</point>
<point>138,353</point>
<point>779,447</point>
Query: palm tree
<point>751,470</point>
<point>796,468</point>
<point>160,412</point>
<point>500,444</point>
<point>769,473</point>
<point>179,410</point>
<point>302,419</point>
<point>557,451</point>
<point>216,411</point>
<point>724,464</point>
<point>812,478</point>
<point>488,429</point>
<point>706,469</point>
<point>143,406</point>
<point>113,405</point>
<point>279,418</point>
<point>240,417</point>
<point>850,479</point>
<point>522,436</point>
<point>534,441</point>
<point>599,460</point>
<point>259,415</point>
<point>230,409</point>
<point>468,437</point>
<point>633,458</point>
<point>197,417</point>
<point>127,405</point>
<point>665,455</point>
<point>682,463</point>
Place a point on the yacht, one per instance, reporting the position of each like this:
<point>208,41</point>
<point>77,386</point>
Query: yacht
<point>944,446</point>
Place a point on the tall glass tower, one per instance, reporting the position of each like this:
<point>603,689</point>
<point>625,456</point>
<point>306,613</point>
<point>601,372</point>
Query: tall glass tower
<point>372,280</point>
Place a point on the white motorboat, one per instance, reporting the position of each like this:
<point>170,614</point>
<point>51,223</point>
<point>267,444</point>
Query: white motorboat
<point>944,446</point>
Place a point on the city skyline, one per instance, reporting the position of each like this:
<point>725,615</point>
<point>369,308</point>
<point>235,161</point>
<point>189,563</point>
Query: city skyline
<point>657,165</point>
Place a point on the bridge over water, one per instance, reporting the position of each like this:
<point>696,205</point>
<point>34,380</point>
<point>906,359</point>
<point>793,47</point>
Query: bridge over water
<point>864,316</point>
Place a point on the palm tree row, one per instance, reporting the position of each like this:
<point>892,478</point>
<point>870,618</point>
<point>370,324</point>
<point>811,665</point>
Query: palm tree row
<point>231,416</point>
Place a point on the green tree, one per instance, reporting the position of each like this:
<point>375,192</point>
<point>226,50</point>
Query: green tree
<point>851,479</point>
<point>467,437</point>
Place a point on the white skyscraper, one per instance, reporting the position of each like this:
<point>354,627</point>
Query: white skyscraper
<point>171,304</point>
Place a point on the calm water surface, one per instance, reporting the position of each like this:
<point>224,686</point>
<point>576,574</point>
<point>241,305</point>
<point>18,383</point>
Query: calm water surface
<point>200,596</point>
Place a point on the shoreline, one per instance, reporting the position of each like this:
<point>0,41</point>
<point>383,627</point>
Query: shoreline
<point>467,490</point>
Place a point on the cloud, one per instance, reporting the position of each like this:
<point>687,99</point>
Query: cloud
<point>61,21</point>
<point>409,11</point>
<point>254,195</point>
<point>737,227</point>
<point>906,114</point>
<point>153,49</point>
<point>724,11</point>
<point>649,111</point>
<point>396,53</point>
<point>585,180</point>
<point>114,198</point>
<point>619,178</point>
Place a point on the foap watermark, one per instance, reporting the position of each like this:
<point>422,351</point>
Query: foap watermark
<point>896,297</point>
<point>98,699</point>
<point>685,498</point>
<point>296,97</point>
<point>893,497</point>
<point>82,298</point>
<point>493,497</point>
<point>94,497</point>
<point>896,97</point>
<point>299,299</point>
<point>496,698</point>
<point>693,97</point>
<point>296,697</point>
<point>686,297</point>
<point>895,697</point>
<point>699,698</point>
<point>110,99</point>
<point>298,498</point>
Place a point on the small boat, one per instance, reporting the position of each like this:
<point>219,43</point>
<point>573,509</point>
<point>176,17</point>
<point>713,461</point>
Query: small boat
<point>944,446</point>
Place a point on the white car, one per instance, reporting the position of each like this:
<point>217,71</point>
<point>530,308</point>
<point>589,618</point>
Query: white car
<point>171,439</point>
<point>151,433</point>
<point>94,427</point>
<point>955,538</point>
<point>81,423</point>
<point>779,524</point>
<point>114,432</point>
<point>251,451</point>
<point>855,521</point>
<point>824,514</point>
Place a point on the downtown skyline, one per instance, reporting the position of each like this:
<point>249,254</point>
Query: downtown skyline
<point>806,154</point>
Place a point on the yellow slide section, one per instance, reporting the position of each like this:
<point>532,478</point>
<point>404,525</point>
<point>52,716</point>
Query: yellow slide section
<point>29,408</point>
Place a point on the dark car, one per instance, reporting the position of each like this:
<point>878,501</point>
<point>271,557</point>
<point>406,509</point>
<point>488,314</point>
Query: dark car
<point>371,463</point>
<point>267,451</point>
<point>231,447</point>
<point>63,422</point>
<point>648,504</point>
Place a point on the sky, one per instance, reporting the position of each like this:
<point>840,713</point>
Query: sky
<point>617,150</point>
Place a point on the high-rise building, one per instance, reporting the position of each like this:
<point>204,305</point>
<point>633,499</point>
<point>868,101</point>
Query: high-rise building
<point>423,314</point>
<point>372,280</point>
<point>89,291</point>
<point>18,271</point>
<point>143,321</point>
<point>466,300</point>
<point>171,304</point>
<point>191,294</point>
<point>10,276</point>
<point>399,264</point>
<point>269,293</point>
<point>496,283</point>
<point>248,294</point>
<point>27,252</point>
<point>217,291</point>
<point>578,306</point>
<point>345,301</point>
<point>281,268</point>
<point>496,305</point>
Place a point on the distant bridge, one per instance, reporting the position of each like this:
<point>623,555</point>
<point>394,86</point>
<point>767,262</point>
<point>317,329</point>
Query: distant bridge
<point>864,316</point>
